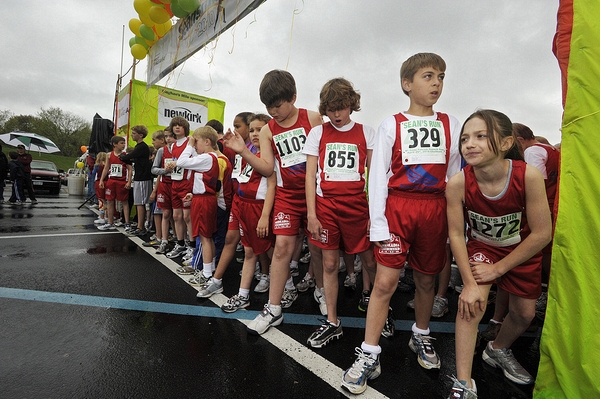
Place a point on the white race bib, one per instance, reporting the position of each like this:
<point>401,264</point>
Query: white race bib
<point>498,231</point>
<point>341,162</point>
<point>116,170</point>
<point>177,172</point>
<point>244,176</point>
<point>237,167</point>
<point>289,147</point>
<point>423,142</point>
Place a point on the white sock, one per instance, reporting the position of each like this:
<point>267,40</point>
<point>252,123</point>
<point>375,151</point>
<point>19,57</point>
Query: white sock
<point>374,350</point>
<point>294,264</point>
<point>207,269</point>
<point>218,280</point>
<point>244,292</point>
<point>417,330</point>
<point>289,284</point>
<point>275,309</point>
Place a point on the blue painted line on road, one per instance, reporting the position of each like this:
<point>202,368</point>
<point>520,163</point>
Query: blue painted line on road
<point>189,310</point>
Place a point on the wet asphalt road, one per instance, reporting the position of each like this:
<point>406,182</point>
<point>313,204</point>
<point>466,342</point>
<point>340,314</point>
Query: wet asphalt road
<point>89,314</point>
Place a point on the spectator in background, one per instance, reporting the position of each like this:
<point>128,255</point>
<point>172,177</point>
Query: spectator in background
<point>26,159</point>
<point>3,173</point>
<point>17,177</point>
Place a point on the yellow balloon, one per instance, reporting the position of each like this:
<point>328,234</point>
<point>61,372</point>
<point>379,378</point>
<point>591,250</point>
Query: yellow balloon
<point>142,6</point>
<point>146,20</point>
<point>165,1</point>
<point>158,14</point>
<point>138,51</point>
<point>134,26</point>
<point>79,165</point>
<point>162,29</point>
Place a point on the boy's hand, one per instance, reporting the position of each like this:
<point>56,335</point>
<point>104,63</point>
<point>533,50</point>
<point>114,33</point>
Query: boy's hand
<point>128,185</point>
<point>191,141</point>
<point>315,228</point>
<point>188,197</point>
<point>101,185</point>
<point>169,166</point>
<point>234,141</point>
<point>484,272</point>
<point>262,227</point>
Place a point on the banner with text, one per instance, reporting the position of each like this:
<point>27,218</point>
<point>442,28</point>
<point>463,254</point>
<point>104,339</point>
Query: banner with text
<point>193,32</point>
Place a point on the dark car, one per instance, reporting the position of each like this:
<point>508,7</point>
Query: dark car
<point>45,176</point>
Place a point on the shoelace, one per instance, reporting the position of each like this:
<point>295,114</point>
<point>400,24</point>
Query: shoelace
<point>363,361</point>
<point>423,340</point>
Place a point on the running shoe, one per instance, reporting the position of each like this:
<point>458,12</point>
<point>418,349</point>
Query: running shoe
<point>426,356</point>
<point>440,307</point>
<point>306,283</point>
<point>364,368</point>
<point>389,328</point>
<point>319,295</point>
<point>151,243</point>
<point>460,390</point>
<point>504,359</point>
<point>199,279</point>
<point>107,226</point>
<point>305,258</point>
<point>363,303</point>
<point>490,333</point>
<point>350,281</point>
<point>288,297</point>
<point>185,270</point>
<point>234,303</point>
<point>162,248</point>
<point>178,250</point>
<point>100,221</point>
<point>263,284</point>
<point>325,333</point>
<point>264,321</point>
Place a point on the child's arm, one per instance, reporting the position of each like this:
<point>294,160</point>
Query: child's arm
<point>540,224</point>
<point>265,165</point>
<point>129,176</point>
<point>156,166</point>
<point>199,163</point>
<point>471,296</point>
<point>105,171</point>
<point>262,228</point>
<point>314,226</point>
<point>378,180</point>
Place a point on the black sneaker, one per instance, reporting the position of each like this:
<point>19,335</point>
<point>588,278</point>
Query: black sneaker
<point>363,303</point>
<point>325,333</point>
<point>389,328</point>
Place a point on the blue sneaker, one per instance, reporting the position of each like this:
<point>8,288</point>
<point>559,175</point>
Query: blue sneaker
<point>364,368</point>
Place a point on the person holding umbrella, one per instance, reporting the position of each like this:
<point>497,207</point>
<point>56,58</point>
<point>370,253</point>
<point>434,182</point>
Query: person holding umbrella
<point>25,159</point>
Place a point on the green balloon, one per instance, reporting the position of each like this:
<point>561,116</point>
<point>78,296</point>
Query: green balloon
<point>189,5</point>
<point>178,11</point>
<point>147,33</point>
<point>139,40</point>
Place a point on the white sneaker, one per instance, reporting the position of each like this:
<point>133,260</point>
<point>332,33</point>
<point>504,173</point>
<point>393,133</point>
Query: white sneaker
<point>100,221</point>
<point>263,321</point>
<point>319,296</point>
<point>107,226</point>
<point>357,264</point>
<point>263,284</point>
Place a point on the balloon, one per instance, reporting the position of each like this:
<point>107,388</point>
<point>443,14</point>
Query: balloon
<point>146,20</point>
<point>142,6</point>
<point>165,1</point>
<point>138,40</point>
<point>83,148</point>
<point>79,165</point>
<point>178,11</point>
<point>162,29</point>
<point>168,8</point>
<point>156,1</point>
<point>134,26</point>
<point>138,51</point>
<point>150,43</point>
<point>158,15</point>
<point>147,33</point>
<point>189,5</point>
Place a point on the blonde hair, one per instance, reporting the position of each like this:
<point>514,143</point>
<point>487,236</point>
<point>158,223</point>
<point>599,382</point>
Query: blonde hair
<point>207,132</point>
<point>101,158</point>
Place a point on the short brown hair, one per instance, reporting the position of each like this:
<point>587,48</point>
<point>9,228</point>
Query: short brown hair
<point>418,61</point>
<point>140,129</point>
<point>181,121</point>
<point>523,131</point>
<point>338,94</point>
<point>276,87</point>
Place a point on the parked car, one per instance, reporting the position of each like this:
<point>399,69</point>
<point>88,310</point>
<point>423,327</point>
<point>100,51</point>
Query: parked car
<point>45,176</point>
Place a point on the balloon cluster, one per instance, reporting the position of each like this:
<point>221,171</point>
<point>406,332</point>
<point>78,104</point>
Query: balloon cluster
<point>155,21</point>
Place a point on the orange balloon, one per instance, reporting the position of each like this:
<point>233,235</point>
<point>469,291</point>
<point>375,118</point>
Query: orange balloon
<point>83,148</point>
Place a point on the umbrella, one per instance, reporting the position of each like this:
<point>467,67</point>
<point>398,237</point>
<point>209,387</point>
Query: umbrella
<point>33,141</point>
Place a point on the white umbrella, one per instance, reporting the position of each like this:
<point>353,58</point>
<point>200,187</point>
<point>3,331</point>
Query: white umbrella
<point>33,141</point>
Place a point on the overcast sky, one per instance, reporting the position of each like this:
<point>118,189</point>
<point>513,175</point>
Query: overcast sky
<point>67,54</point>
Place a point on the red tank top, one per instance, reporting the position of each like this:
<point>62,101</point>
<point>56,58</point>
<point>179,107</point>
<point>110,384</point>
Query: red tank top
<point>288,143</point>
<point>342,159</point>
<point>252,185</point>
<point>206,182</point>
<point>501,221</point>
<point>118,168</point>
<point>420,177</point>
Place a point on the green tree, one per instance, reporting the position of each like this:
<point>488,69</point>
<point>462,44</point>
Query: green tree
<point>5,115</point>
<point>66,129</point>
